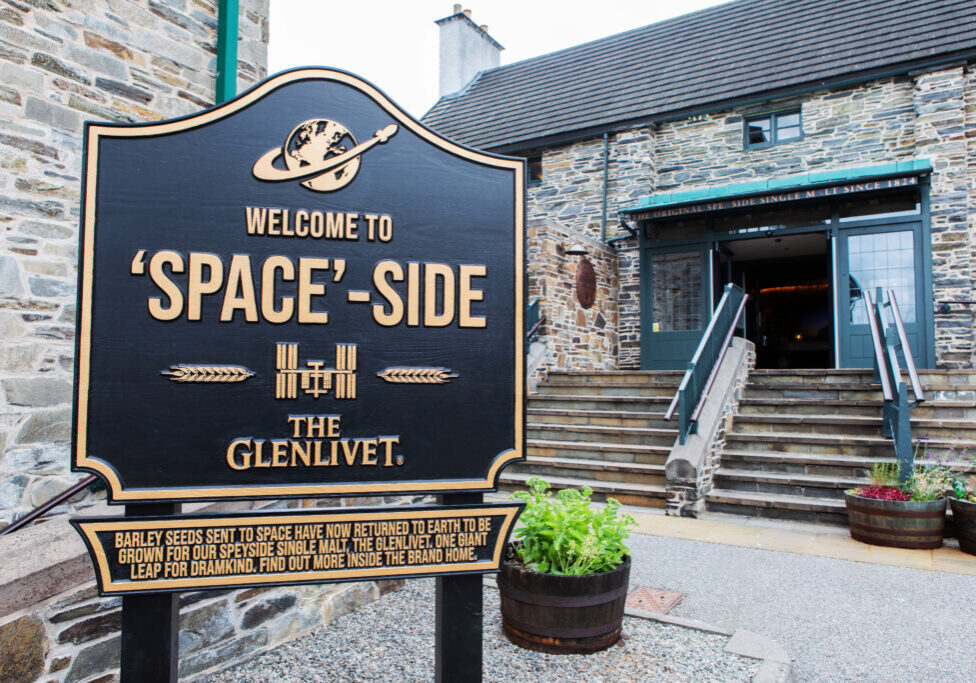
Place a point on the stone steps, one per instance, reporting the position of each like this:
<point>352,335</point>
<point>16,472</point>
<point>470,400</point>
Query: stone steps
<point>621,377</point>
<point>652,455</point>
<point>778,506</point>
<point>601,403</point>
<point>605,430</point>
<point>558,388</point>
<point>647,495</point>
<point>605,418</point>
<point>598,470</point>
<point>635,436</point>
<point>804,485</point>
<point>801,438</point>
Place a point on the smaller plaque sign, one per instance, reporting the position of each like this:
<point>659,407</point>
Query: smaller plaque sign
<point>152,554</point>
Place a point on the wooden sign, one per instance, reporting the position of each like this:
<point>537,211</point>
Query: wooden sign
<point>153,554</point>
<point>301,292</point>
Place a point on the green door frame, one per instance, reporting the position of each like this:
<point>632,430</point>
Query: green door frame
<point>686,338</point>
<point>709,239</point>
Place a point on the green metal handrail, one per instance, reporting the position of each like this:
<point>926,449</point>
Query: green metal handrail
<point>533,319</point>
<point>703,366</point>
<point>896,413</point>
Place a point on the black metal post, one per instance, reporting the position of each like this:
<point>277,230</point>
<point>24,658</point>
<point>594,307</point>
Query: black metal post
<point>458,618</point>
<point>150,623</point>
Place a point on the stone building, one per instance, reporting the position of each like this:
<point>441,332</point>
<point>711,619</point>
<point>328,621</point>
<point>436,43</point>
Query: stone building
<point>758,142</point>
<point>809,153</point>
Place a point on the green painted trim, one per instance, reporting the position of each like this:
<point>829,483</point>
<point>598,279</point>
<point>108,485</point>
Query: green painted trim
<point>227,24</point>
<point>803,180</point>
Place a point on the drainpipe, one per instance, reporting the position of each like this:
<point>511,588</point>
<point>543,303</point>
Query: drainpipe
<point>227,18</point>
<point>603,215</point>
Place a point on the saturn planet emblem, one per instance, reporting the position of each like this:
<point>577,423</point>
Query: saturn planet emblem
<point>322,154</point>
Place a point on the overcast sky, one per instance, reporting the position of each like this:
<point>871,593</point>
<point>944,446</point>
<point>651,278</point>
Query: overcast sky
<point>393,43</point>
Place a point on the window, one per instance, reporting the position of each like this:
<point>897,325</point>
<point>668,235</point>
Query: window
<point>773,129</point>
<point>535,171</point>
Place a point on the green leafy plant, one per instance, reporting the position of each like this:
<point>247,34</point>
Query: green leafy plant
<point>930,482</point>
<point>564,534</point>
<point>884,474</point>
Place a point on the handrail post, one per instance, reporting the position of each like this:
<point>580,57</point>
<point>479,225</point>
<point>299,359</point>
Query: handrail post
<point>697,381</point>
<point>902,435</point>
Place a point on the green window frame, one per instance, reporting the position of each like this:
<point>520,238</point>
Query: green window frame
<point>772,129</point>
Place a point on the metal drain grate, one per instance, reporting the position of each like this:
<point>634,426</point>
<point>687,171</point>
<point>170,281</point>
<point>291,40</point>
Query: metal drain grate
<point>653,599</point>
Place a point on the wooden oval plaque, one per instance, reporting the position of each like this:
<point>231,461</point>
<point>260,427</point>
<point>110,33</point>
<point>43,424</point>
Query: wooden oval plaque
<point>585,283</point>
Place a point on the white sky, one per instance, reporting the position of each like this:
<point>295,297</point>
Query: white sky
<point>393,43</point>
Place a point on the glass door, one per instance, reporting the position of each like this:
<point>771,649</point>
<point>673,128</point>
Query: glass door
<point>675,305</point>
<point>868,258</point>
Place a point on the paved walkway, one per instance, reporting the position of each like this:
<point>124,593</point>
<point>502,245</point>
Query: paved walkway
<point>844,611</point>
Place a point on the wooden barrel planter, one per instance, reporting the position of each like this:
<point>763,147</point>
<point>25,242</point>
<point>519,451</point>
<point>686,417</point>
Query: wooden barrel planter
<point>964,516</point>
<point>563,614</point>
<point>896,523</point>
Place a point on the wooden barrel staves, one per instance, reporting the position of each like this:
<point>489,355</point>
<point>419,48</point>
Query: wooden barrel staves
<point>563,614</point>
<point>896,523</point>
<point>964,516</point>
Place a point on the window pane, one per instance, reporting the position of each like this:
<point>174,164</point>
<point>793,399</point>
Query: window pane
<point>884,206</point>
<point>773,219</point>
<point>759,131</point>
<point>787,120</point>
<point>787,133</point>
<point>883,260</point>
<point>535,170</point>
<point>675,230</point>
<point>676,279</point>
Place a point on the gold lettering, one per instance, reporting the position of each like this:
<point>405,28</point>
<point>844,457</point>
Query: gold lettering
<point>307,290</point>
<point>256,219</point>
<point>198,287</point>
<point>279,453</point>
<point>239,279</point>
<point>301,223</point>
<point>393,271</point>
<point>413,294</point>
<point>468,294</point>
<point>167,286</point>
<point>233,452</point>
<point>443,272</point>
<point>268,310</point>
<point>369,452</point>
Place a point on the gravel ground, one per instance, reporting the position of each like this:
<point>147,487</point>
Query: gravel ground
<point>839,620</point>
<point>392,639</point>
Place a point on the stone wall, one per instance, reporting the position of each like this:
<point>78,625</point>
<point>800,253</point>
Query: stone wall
<point>690,467</point>
<point>575,338</point>
<point>940,126</point>
<point>928,115</point>
<point>63,62</point>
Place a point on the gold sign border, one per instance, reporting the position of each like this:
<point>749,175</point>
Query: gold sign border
<point>117,490</point>
<point>90,527</point>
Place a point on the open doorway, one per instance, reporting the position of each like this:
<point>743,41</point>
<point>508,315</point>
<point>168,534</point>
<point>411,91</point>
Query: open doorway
<point>789,315</point>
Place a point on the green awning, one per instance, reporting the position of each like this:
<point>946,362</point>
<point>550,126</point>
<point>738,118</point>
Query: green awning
<point>802,181</point>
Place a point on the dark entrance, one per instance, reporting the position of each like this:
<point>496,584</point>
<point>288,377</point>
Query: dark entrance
<point>788,279</point>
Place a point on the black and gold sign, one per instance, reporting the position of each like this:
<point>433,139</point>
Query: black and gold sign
<point>218,551</point>
<point>301,292</point>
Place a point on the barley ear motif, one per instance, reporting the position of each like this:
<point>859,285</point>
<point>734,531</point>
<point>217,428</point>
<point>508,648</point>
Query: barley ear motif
<point>207,373</point>
<point>416,375</point>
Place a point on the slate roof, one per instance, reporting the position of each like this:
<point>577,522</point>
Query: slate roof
<point>729,53</point>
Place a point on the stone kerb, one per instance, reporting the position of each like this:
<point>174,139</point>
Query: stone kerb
<point>575,338</point>
<point>690,466</point>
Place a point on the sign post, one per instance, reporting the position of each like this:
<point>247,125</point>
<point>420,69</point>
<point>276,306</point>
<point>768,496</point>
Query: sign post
<point>302,292</point>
